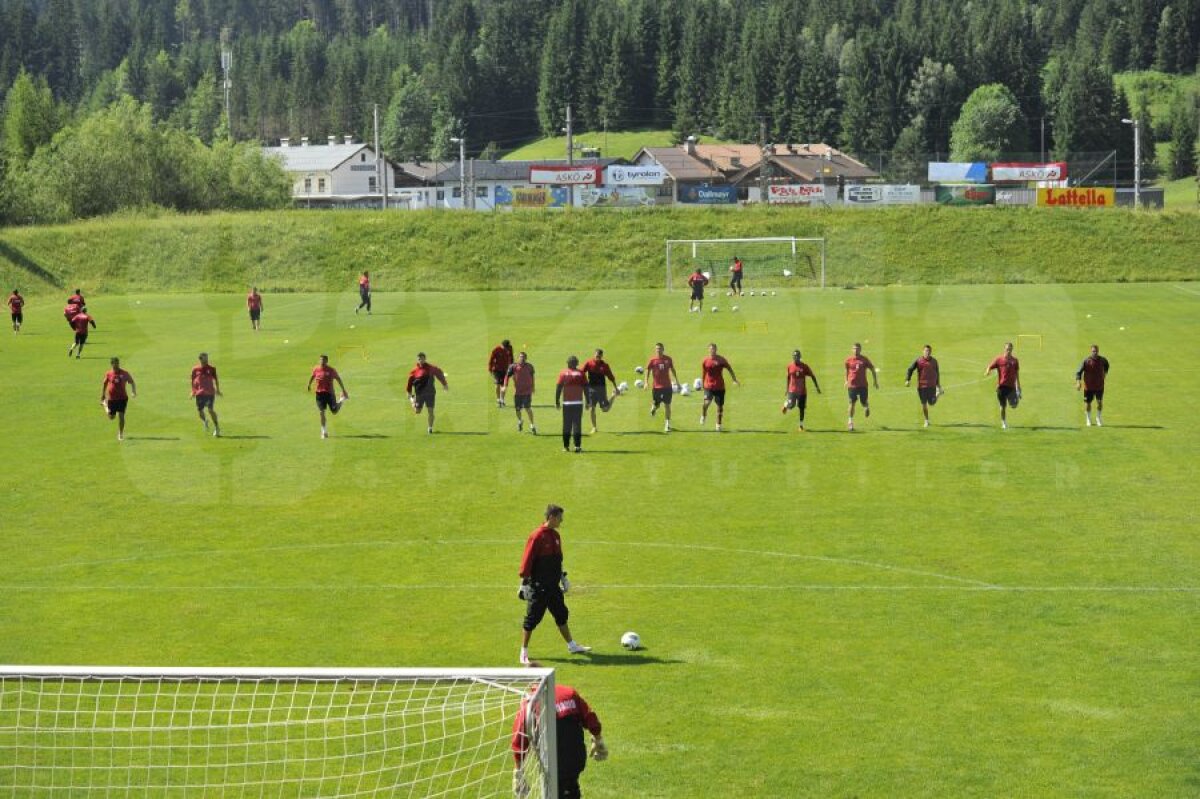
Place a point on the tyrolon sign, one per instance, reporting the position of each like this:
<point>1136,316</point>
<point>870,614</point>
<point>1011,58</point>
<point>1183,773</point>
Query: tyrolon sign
<point>1015,172</point>
<point>564,175</point>
<point>1077,198</point>
<point>634,175</point>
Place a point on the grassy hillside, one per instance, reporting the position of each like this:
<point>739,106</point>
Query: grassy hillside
<point>614,144</point>
<point>1159,87</point>
<point>316,251</point>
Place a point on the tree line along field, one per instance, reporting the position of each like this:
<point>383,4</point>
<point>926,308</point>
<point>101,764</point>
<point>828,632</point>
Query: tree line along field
<point>954,611</point>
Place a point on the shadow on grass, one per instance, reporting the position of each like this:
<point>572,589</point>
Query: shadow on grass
<point>613,452</point>
<point>1040,427</point>
<point>151,438</point>
<point>23,261</point>
<point>1136,426</point>
<point>244,438</point>
<point>638,658</point>
<point>460,432</point>
<point>979,425</point>
<point>368,436</point>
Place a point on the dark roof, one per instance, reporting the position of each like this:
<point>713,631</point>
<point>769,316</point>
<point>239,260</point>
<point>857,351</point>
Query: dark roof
<point>510,170</point>
<point>682,166</point>
<point>810,169</point>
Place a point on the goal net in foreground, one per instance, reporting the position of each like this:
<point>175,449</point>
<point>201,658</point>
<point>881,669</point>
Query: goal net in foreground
<point>273,732</point>
<point>779,262</point>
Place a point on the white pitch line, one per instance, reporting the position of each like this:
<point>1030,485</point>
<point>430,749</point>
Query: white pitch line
<point>792,587</point>
<point>1185,289</point>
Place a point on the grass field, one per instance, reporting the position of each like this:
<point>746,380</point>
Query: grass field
<point>958,611</point>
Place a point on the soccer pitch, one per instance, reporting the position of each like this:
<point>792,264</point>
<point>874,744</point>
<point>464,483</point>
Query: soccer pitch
<point>952,611</point>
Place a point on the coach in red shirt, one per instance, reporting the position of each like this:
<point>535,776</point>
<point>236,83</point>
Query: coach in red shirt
<point>543,583</point>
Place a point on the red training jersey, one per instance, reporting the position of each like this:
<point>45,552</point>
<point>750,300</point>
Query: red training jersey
<point>1092,372</point>
<point>15,303</point>
<point>543,555</point>
<point>71,309</point>
<point>737,265</point>
<point>254,301</point>
<point>596,370</point>
<point>420,379</point>
<point>697,279</point>
<point>928,373</point>
<point>659,370</point>
<point>796,372</point>
<point>568,704</point>
<point>80,322</point>
<point>714,380</point>
<point>500,359</point>
<point>324,375</point>
<point>521,376</point>
<point>364,282</point>
<point>115,381</point>
<point>204,380</point>
<point>856,371</point>
<point>572,382</point>
<point>1007,369</point>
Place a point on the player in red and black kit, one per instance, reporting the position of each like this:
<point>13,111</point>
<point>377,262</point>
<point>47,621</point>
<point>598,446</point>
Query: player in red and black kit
<point>697,281</point>
<point>15,305</point>
<point>857,366</point>
<point>520,374</point>
<point>421,389</point>
<point>714,384</point>
<point>543,583</point>
<point>568,394</point>
<point>1090,378</point>
<point>364,293</point>
<point>114,397</point>
<point>663,380</point>
<point>206,387</point>
<point>597,370</point>
<point>254,304</point>
<point>573,715</point>
<point>324,375</point>
<point>735,276</point>
<point>498,363</point>
<point>797,390</point>
<point>79,323</point>
<point>929,380</point>
<point>74,303</point>
<point>1008,381</point>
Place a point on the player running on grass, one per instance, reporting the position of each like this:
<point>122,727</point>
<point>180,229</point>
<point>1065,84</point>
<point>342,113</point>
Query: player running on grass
<point>325,375</point>
<point>697,281</point>
<point>929,380</point>
<point>113,395</point>
<point>572,717</point>
<point>1090,378</point>
<point>663,380</point>
<point>1008,381</point>
<point>543,582</point>
<point>857,366</point>
<point>364,293</point>
<point>714,384</point>
<point>797,390</point>
<point>74,304</point>
<point>498,363</point>
<point>79,323</point>
<point>15,305</point>
<point>206,387</point>
<point>421,389</point>
<point>520,374</point>
<point>568,394</point>
<point>597,370</point>
<point>254,304</point>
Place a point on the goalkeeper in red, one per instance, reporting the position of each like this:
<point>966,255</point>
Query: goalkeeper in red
<point>572,716</point>
<point>543,583</point>
<point>797,391</point>
<point>1090,378</point>
<point>929,380</point>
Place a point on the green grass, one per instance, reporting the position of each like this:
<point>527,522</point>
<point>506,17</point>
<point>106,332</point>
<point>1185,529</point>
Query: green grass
<point>957,611</point>
<point>1160,87</point>
<point>614,144</point>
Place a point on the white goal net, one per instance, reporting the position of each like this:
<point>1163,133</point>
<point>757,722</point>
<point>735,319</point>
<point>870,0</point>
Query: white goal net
<point>273,732</point>
<point>773,262</point>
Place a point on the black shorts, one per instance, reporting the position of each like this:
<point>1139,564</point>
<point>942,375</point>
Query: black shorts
<point>81,338</point>
<point>661,396</point>
<point>716,395</point>
<point>204,401</point>
<point>255,313</point>
<point>426,399</point>
<point>18,318</point>
<point>326,400</point>
<point>597,396</point>
<point>697,292</point>
<point>736,279</point>
<point>1003,393</point>
<point>928,396</point>
<point>523,401</point>
<point>542,599</point>
<point>498,376</point>
<point>117,406</point>
<point>859,394</point>
<point>1089,395</point>
<point>796,400</point>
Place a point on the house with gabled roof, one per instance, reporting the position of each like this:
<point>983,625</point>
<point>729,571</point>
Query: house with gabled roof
<point>333,174</point>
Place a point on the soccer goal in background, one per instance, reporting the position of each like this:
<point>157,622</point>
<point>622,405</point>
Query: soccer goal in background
<point>179,732</point>
<point>777,262</point>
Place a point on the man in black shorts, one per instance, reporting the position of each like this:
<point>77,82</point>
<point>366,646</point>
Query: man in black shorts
<point>421,389</point>
<point>929,380</point>
<point>697,281</point>
<point>15,305</point>
<point>663,380</point>
<point>597,371</point>
<point>520,374</point>
<point>325,376</point>
<point>543,583</point>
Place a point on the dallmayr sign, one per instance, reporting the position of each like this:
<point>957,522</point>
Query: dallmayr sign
<point>1077,198</point>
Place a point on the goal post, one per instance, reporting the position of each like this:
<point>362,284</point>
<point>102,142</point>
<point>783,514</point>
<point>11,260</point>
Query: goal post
<point>772,261</point>
<point>179,732</point>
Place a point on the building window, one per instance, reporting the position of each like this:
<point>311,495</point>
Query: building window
<point>308,185</point>
<point>481,191</point>
<point>320,185</point>
<point>743,193</point>
<point>441,195</point>
<point>362,158</point>
<point>667,189</point>
<point>457,193</point>
<point>371,184</point>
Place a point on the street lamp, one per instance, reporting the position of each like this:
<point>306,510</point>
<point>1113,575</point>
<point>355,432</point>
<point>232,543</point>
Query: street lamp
<point>1137,161</point>
<point>462,171</point>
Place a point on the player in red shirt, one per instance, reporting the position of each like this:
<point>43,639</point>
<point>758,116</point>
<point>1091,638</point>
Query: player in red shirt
<point>364,293</point>
<point>113,395</point>
<point>421,389</point>
<point>15,305</point>
<point>254,304</point>
<point>568,394</point>
<point>71,309</point>
<point>324,375</point>
<point>79,323</point>
<point>735,277</point>
<point>929,380</point>
<point>663,380</point>
<point>597,370</point>
<point>697,281</point>
<point>572,716</point>
<point>714,384</point>
<point>797,390</point>
<point>857,366</point>
<point>543,583</point>
<point>1008,381</point>
<point>520,374</point>
<point>1090,378</point>
<point>498,363</point>
<point>206,387</point>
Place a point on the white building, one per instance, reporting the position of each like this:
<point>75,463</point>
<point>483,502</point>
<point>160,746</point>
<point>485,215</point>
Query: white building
<point>334,174</point>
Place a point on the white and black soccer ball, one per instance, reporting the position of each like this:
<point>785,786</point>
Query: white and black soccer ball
<point>631,641</point>
<point>640,383</point>
<point>623,387</point>
<point>772,294</point>
<point>714,309</point>
<point>639,369</point>
<point>676,388</point>
<point>707,275</point>
<point>751,293</point>
<point>684,390</point>
<point>696,386</point>
<point>734,309</point>
<point>787,272</point>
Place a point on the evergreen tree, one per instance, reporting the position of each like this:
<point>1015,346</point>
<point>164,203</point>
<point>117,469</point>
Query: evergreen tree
<point>816,105</point>
<point>1185,113</point>
<point>30,118</point>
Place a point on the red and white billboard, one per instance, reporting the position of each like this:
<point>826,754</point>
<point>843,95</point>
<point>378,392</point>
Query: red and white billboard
<point>565,175</point>
<point>799,193</point>
<point>1018,172</point>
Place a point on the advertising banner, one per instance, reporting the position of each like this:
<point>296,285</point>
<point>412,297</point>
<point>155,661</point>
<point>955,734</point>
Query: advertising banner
<point>616,197</point>
<point>564,175</point>
<point>965,195</point>
<point>949,172</point>
<point>1010,172</point>
<point>802,194</point>
<point>1077,198</point>
<point>882,195</point>
<point>652,175</point>
<point>707,195</point>
<point>524,197</point>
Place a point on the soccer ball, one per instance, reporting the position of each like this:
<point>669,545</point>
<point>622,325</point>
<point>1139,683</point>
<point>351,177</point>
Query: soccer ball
<point>734,309</point>
<point>639,369</point>
<point>787,272</point>
<point>707,275</point>
<point>631,640</point>
<point>621,389</point>
<point>696,386</point>
<point>684,391</point>
<point>729,294</point>
<point>676,388</point>
<point>714,309</point>
<point>772,294</point>
<point>751,293</point>
<point>640,383</point>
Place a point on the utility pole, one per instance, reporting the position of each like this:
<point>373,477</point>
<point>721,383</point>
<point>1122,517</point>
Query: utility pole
<point>380,169</point>
<point>226,69</point>
<point>762,164</point>
<point>1137,161</point>
<point>462,173</point>
<point>570,156</point>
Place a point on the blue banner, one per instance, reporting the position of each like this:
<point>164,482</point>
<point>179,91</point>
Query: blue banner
<point>707,195</point>
<point>942,172</point>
